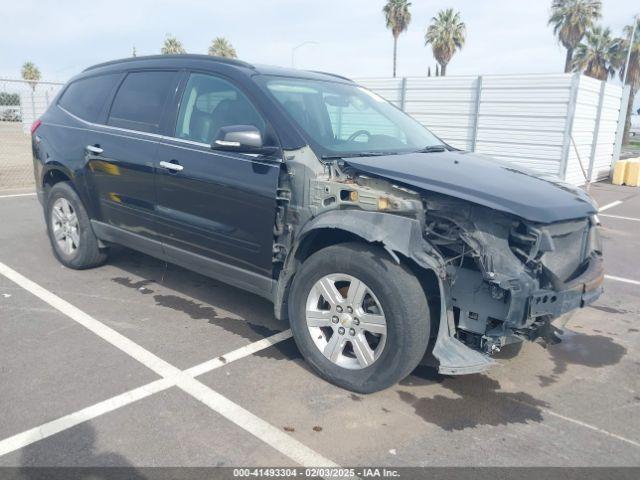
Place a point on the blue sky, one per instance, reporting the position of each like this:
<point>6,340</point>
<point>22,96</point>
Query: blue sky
<point>67,36</point>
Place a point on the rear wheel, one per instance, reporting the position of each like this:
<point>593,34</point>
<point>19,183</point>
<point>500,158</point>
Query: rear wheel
<point>72,239</point>
<point>360,319</point>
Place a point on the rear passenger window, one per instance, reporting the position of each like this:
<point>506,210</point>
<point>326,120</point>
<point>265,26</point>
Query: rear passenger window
<point>85,98</point>
<point>141,99</point>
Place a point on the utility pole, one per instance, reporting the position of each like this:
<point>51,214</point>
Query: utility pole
<point>633,36</point>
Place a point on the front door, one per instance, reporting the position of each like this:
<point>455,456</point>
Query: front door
<point>216,210</point>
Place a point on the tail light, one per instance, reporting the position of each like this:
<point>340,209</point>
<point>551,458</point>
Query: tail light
<point>35,126</point>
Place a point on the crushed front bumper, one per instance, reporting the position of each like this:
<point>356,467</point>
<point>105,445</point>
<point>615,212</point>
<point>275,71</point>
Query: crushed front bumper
<point>456,358</point>
<point>576,293</point>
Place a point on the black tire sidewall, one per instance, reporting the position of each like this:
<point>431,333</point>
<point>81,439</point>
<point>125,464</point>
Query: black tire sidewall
<point>88,253</point>
<point>402,300</point>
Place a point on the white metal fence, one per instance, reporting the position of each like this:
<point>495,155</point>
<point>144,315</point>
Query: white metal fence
<point>21,103</point>
<point>566,125</point>
<point>551,124</point>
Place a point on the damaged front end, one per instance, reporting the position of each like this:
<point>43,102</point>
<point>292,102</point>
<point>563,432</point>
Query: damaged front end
<point>500,279</point>
<point>507,278</point>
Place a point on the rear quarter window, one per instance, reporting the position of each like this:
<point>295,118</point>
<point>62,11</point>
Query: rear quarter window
<point>86,97</point>
<point>141,99</point>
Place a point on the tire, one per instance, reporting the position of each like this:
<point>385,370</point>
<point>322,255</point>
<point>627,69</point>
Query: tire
<point>64,210</point>
<point>397,297</point>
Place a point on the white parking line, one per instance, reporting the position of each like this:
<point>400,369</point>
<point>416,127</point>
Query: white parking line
<point>620,217</point>
<point>30,436</point>
<point>610,205</point>
<point>17,195</point>
<point>238,354</point>
<point>58,425</point>
<point>266,432</point>
<point>129,347</point>
<point>579,422</point>
<point>620,279</point>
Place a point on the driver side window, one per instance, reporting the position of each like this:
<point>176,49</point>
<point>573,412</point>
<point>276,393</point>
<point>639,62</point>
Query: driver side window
<point>210,103</point>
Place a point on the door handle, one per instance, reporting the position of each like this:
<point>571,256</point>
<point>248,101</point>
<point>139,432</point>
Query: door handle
<point>172,166</point>
<point>94,149</point>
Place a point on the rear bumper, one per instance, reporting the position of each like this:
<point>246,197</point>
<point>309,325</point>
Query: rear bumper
<point>576,293</point>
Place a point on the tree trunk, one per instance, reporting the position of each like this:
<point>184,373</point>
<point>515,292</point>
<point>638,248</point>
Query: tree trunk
<point>395,52</point>
<point>627,122</point>
<point>568,60</point>
<point>443,69</point>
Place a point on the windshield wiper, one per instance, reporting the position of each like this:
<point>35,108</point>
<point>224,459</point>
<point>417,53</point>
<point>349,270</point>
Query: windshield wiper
<point>432,149</point>
<point>356,154</point>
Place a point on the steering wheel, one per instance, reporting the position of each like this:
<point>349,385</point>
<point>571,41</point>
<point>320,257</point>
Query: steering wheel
<point>357,133</point>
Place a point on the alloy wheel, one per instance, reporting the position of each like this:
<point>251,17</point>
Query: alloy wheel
<point>64,226</point>
<point>346,321</point>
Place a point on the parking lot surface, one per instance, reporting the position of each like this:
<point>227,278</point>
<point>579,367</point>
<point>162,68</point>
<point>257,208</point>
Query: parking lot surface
<point>139,363</point>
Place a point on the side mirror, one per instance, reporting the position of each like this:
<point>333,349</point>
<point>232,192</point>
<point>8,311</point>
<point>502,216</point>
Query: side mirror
<point>242,139</point>
<point>238,137</point>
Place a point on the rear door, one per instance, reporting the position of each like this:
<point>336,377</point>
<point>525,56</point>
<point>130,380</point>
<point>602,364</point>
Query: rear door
<point>82,104</point>
<point>122,152</point>
<point>216,210</point>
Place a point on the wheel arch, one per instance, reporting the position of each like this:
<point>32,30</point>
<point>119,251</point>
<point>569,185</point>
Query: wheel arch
<point>55,174</point>
<point>400,236</point>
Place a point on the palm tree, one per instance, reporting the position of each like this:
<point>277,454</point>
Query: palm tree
<point>571,19</point>
<point>633,76</point>
<point>398,17</point>
<point>172,46</point>
<point>220,47</point>
<point>597,56</point>
<point>446,34</point>
<point>31,74</point>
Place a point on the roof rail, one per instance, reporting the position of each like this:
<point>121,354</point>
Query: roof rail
<point>228,61</point>
<point>332,75</point>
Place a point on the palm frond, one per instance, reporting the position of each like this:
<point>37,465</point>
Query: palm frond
<point>221,47</point>
<point>446,34</point>
<point>572,18</point>
<point>172,46</point>
<point>397,16</point>
<point>598,55</point>
<point>31,74</point>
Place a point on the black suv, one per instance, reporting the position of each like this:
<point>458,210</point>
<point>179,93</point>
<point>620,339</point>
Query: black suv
<point>369,234</point>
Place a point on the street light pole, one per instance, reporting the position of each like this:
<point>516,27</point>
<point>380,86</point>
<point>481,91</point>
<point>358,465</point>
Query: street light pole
<point>633,36</point>
<point>293,51</point>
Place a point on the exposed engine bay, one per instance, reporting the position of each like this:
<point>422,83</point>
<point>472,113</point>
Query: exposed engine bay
<point>502,278</point>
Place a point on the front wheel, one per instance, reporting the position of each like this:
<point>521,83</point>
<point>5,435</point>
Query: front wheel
<point>359,319</point>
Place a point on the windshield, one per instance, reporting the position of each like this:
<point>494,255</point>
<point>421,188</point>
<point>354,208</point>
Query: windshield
<point>348,120</point>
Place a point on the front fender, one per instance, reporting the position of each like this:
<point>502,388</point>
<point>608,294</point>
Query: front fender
<point>395,233</point>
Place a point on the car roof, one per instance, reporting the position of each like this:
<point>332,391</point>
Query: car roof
<point>202,61</point>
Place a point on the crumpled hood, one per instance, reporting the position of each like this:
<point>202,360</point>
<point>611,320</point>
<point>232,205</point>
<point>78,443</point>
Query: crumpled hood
<point>482,180</point>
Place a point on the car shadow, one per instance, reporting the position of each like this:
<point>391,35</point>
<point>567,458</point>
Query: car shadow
<point>478,400</point>
<point>75,450</point>
<point>202,299</point>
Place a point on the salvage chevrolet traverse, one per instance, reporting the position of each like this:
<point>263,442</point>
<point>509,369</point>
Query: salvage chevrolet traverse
<point>372,237</point>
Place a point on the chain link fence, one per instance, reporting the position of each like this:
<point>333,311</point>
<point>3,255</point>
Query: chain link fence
<point>21,103</point>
